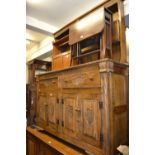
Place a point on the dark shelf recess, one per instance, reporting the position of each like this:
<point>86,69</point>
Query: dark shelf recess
<point>116,42</point>
<point>62,40</point>
<point>64,44</point>
<point>90,53</point>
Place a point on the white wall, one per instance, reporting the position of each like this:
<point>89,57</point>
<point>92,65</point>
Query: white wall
<point>40,49</point>
<point>126,7</point>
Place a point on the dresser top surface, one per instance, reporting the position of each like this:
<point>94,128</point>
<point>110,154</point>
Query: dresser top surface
<point>85,65</point>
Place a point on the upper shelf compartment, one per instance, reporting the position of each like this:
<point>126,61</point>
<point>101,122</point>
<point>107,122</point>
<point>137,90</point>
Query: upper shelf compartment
<point>87,26</point>
<point>61,41</point>
<point>61,38</point>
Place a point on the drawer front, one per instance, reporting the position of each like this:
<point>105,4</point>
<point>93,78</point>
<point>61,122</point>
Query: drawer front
<point>81,80</point>
<point>48,84</point>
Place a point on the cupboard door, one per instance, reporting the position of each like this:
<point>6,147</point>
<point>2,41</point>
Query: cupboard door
<point>62,60</point>
<point>42,110</point>
<point>53,111</point>
<point>57,62</point>
<point>91,118</point>
<point>69,114</point>
<point>82,117</point>
<point>66,60</point>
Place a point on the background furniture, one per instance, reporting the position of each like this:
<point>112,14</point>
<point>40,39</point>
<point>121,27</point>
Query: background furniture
<point>39,143</point>
<point>34,67</point>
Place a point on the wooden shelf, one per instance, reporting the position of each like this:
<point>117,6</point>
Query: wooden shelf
<point>64,44</point>
<point>89,48</point>
<point>62,40</point>
<point>41,69</point>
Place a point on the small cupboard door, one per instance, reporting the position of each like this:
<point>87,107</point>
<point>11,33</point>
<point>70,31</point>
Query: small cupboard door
<point>62,60</point>
<point>91,118</point>
<point>57,62</point>
<point>66,59</point>
<point>42,110</point>
<point>53,111</point>
<point>68,123</point>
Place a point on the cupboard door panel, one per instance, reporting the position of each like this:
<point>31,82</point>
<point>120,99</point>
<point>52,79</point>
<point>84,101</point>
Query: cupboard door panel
<point>91,118</point>
<point>72,116</point>
<point>57,62</point>
<point>62,60</point>
<point>82,117</point>
<point>90,112</point>
<point>69,114</point>
<point>53,111</point>
<point>66,60</point>
<point>42,102</point>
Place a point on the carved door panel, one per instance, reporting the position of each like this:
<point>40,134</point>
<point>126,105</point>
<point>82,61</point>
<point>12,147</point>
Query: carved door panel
<point>42,110</point>
<point>53,111</point>
<point>68,123</point>
<point>91,118</point>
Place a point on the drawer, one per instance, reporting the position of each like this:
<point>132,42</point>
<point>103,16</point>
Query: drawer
<point>48,84</point>
<point>81,80</point>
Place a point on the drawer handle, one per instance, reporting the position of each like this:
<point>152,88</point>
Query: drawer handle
<point>53,82</point>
